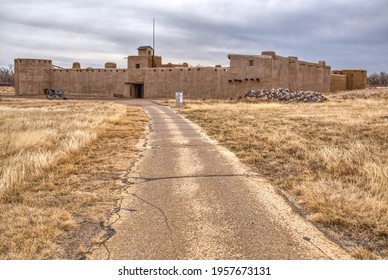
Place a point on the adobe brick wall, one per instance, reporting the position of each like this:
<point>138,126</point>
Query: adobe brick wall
<point>338,82</point>
<point>194,82</point>
<point>246,72</point>
<point>355,79</point>
<point>98,82</point>
<point>31,75</point>
<point>279,72</point>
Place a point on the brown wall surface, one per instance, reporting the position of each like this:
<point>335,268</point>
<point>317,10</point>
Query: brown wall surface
<point>133,61</point>
<point>31,75</point>
<point>338,82</point>
<point>196,82</point>
<point>99,82</point>
<point>276,71</point>
<point>355,79</point>
<point>245,72</point>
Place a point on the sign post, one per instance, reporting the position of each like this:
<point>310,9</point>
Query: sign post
<point>179,99</point>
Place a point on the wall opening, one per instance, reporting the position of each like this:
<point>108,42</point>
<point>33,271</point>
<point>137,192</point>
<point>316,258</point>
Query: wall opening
<point>139,90</point>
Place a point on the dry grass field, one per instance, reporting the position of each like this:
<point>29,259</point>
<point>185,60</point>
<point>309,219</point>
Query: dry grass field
<point>7,90</point>
<point>60,168</point>
<point>329,159</point>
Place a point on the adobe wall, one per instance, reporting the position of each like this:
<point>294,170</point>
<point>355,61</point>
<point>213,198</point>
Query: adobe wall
<point>100,82</point>
<point>194,82</point>
<point>137,62</point>
<point>245,72</point>
<point>249,72</point>
<point>355,79</point>
<point>271,71</point>
<point>31,75</point>
<point>338,82</point>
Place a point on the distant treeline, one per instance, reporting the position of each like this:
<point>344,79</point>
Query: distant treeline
<point>7,76</point>
<point>378,79</point>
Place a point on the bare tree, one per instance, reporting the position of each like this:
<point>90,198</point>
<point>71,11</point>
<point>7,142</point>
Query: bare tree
<point>374,79</point>
<point>383,78</point>
<point>378,79</point>
<point>7,75</point>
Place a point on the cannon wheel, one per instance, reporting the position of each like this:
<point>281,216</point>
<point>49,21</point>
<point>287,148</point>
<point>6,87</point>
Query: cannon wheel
<point>50,94</point>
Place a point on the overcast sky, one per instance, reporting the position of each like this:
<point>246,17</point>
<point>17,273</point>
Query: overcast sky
<point>347,34</point>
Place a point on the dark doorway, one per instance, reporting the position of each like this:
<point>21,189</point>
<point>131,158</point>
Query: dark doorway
<point>139,91</point>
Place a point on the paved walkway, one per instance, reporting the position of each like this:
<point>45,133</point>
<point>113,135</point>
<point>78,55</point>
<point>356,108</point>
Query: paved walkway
<point>189,198</point>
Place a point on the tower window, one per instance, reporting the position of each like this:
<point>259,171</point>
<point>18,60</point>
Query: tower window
<point>250,62</point>
<point>137,65</point>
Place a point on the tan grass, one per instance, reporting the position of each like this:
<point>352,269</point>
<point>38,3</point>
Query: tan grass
<point>32,139</point>
<point>7,90</point>
<point>331,159</point>
<point>60,162</point>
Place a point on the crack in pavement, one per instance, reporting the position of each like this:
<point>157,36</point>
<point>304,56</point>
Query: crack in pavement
<point>162,212</point>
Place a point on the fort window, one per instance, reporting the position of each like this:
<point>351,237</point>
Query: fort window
<point>250,62</point>
<point>137,65</point>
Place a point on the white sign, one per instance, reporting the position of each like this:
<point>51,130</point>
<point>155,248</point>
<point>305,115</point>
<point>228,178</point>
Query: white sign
<point>179,99</point>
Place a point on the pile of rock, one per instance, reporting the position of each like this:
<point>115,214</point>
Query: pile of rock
<point>285,95</point>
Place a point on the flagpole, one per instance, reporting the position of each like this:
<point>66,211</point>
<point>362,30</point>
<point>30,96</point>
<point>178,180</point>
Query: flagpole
<point>153,43</point>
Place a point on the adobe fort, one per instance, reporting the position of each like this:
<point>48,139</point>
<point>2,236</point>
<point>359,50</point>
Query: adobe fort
<point>147,77</point>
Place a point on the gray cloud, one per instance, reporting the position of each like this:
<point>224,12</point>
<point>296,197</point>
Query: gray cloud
<point>347,34</point>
